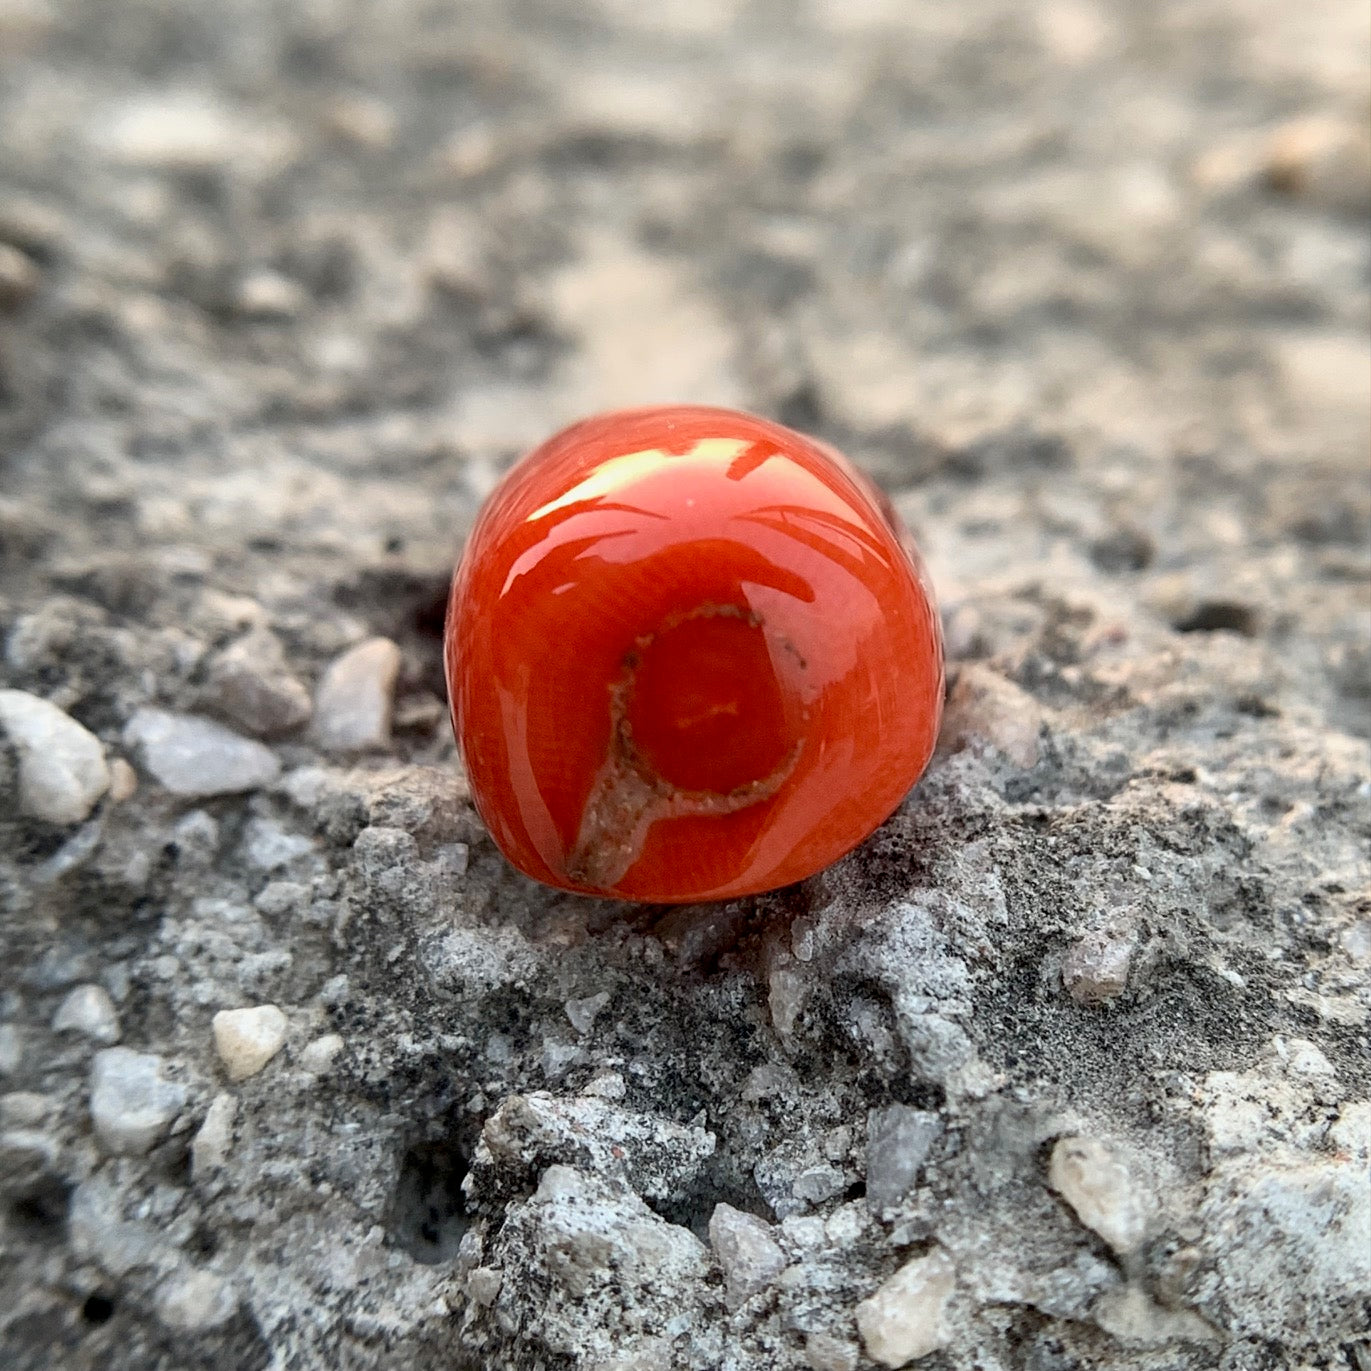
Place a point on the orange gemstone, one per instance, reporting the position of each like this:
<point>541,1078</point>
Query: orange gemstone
<point>691,655</point>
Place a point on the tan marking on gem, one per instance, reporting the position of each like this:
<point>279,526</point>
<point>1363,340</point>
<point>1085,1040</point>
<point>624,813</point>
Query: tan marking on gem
<point>627,797</point>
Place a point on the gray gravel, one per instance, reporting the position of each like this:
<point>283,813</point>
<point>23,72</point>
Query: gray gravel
<point>1067,1068</point>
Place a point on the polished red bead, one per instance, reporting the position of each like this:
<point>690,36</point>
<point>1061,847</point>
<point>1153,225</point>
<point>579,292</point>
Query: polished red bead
<point>691,655</point>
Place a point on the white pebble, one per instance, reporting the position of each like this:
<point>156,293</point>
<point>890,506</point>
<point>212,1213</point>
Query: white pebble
<point>196,1299</point>
<point>247,1039</point>
<point>1097,1185</point>
<point>1096,968</point>
<point>902,1321</point>
<point>88,1010</point>
<point>194,756</point>
<point>1129,1316</point>
<point>788,989</point>
<point>748,1255</point>
<point>26,1155</point>
<point>483,1284</point>
<point>583,1012</point>
<point>131,1105</point>
<point>356,697</point>
<point>24,1108</point>
<point>846,1224</point>
<point>1304,1058</point>
<point>62,769</point>
<point>11,1049</point>
<point>270,295</point>
<point>212,1142</point>
<point>606,1085</point>
<point>1356,942</point>
<point>172,131</point>
<point>318,1056</point>
<point>123,781</point>
<point>19,275</point>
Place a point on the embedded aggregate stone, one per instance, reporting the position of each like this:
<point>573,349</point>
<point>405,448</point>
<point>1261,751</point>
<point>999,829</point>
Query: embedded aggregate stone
<point>903,1320</point>
<point>247,1039</point>
<point>88,1010</point>
<point>1066,1068</point>
<point>195,756</point>
<point>210,1147</point>
<point>747,1253</point>
<point>898,1141</point>
<point>62,768</point>
<point>196,1300</point>
<point>131,1101</point>
<point>1100,1187</point>
<point>251,683</point>
<point>355,700</point>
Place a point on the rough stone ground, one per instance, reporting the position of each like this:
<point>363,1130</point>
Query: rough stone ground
<point>1066,1068</point>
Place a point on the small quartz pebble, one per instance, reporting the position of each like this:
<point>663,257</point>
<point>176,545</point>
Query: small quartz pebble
<point>355,701</point>
<point>818,1183</point>
<point>1096,968</point>
<point>902,1321</point>
<point>984,708</point>
<point>131,1105</point>
<point>1322,157</point>
<point>11,1049</point>
<point>250,682</point>
<point>747,1253</point>
<point>898,1141</point>
<point>62,770</point>
<point>270,295</point>
<point>1088,1175</point>
<point>361,120</point>
<point>847,1223</point>
<point>174,131</point>
<point>211,1145</point>
<point>483,1284</point>
<point>123,781</point>
<point>318,1056</point>
<point>583,1012</point>
<point>247,1039</point>
<point>196,1299</point>
<point>1304,1058</point>
<point>788,990</point>
<point>24,1108</point>
<point>88,1010</point>
<point>194,756</point>
<point>606,1085</point>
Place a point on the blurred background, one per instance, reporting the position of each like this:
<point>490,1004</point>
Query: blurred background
<point>284,287</point>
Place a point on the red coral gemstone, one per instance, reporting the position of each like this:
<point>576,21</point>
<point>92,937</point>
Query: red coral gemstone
<point>691,655</point>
